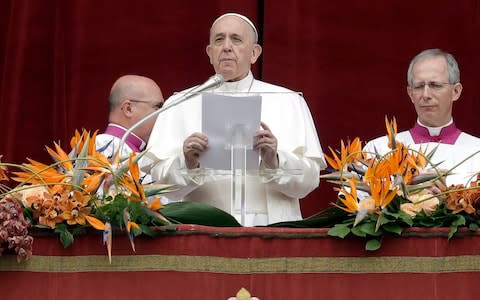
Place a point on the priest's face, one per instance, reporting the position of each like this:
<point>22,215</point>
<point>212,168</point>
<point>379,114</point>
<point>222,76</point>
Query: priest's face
<point>141,108</point>
<point>431,92</point>
<point>147,99</point>
<point>232,49</point>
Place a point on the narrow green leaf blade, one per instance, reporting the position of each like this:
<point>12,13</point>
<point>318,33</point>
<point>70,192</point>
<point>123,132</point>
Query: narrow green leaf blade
<point>198,213</point>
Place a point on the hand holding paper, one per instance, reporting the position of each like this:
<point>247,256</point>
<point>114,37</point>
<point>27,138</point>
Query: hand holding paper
<point>266,144</point>
<point>193,146</point>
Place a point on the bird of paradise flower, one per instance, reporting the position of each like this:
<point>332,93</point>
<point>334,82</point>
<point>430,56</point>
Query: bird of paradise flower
<point>369,182</point>
<point>80,182</point>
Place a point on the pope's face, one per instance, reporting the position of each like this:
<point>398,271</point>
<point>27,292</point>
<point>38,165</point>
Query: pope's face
<point>232,49</point>
<point>431,93</point>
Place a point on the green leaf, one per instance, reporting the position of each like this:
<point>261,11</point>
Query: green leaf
<point>473,226</point>
<point>66,238</point>
<point>369,228</point>
<point>325,218</point>
<point>79,230</point>
<point>426,222</point>
<point>137,231</point>
<point>373,245</point>
<point>459,221</point>
<point>406,218</point>
<point>28,213</point>
<point>453,230</point>
<point>113,211</point>
<point>147,230</point>
<point>339,230</point>
<point>198,213</point>
<point>395,215</point>
<point>358,232</point>
<point>384,220</point>
<point>157,189</point>
<point>393,228</point>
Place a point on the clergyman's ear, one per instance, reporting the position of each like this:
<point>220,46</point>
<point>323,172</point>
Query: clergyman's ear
<point>126,108</point>
<point>457,91</point>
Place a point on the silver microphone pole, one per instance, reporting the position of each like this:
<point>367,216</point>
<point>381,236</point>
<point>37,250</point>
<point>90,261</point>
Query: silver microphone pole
<point>213,82</point>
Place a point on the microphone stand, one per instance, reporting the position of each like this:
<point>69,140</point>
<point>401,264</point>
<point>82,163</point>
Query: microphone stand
<point>213,82</point>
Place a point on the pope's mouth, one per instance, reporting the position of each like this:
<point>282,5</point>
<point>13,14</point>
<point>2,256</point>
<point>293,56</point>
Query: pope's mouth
<point>428,106</point>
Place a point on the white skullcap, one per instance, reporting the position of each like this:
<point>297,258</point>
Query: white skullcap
<point>241,17</point>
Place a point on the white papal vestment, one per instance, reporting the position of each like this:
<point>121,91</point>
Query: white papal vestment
<point>269,199</point>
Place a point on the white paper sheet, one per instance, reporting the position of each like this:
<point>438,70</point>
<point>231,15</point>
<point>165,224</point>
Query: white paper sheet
<point>222,116</point>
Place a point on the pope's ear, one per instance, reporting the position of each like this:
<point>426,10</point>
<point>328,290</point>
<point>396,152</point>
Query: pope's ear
<point>256,52</point>
<point>208,49</point>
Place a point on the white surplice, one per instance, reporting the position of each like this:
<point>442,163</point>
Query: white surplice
<point>464,154</point>
<point>269,199</point>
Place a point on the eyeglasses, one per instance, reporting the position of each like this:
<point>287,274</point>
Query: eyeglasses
<point>433,86</point>
<point>156,106</point>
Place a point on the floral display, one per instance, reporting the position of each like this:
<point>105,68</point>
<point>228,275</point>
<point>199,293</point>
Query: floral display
<point>82,188</point>
<point>386,193</point>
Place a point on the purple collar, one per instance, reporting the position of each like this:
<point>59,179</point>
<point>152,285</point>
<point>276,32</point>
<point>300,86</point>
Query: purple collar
<point>448,134</point>
<point>133,141</point>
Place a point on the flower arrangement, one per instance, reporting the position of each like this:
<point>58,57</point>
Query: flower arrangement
<point>83,189</point>
<point>378,194</point>
<point>385,193</point>
<point>80,189</point>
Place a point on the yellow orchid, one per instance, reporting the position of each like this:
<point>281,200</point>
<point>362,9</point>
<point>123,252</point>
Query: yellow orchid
<point>76,208</point>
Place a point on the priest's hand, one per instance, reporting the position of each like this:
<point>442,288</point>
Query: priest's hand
<point>266,143</point>
<point>193,146</point>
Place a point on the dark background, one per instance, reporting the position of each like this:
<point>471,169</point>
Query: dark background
<point>58,60</point>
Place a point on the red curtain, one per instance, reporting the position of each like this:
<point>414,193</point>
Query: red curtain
<point>58,60</point>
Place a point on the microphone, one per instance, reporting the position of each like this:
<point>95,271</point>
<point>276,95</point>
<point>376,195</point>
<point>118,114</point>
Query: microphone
<point>212,82</point>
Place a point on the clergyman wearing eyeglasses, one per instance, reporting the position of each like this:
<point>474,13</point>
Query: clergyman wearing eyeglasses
<point>131,98</point>
<point>433,79</point>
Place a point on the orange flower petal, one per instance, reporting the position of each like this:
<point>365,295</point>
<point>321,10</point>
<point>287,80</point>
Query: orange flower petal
<point>96,223</point>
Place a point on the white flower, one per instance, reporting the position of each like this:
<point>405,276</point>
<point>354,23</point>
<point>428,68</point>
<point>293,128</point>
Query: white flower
<point>420,201</point>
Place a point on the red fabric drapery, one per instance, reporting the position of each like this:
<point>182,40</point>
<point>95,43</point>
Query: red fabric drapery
<point>58,60</point>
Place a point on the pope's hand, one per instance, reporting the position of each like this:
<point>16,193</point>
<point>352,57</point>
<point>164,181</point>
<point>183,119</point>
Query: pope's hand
<point>193,146</point>
<point>266,143</point>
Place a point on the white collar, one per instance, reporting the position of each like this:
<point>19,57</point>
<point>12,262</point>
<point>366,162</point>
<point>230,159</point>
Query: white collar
<point>243,85</point>
<point>435,131</point>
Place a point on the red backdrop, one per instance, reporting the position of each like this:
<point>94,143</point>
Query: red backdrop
<point>58,60</point>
